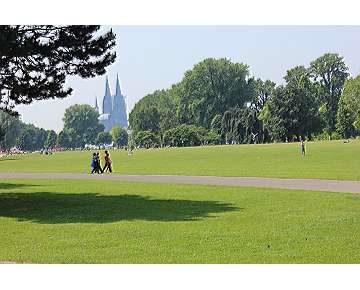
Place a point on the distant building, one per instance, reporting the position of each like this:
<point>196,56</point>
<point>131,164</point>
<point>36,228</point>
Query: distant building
<point>112,110</point>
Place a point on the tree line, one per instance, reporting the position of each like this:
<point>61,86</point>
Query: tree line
<point>218,102</point>
<point>81,126</point>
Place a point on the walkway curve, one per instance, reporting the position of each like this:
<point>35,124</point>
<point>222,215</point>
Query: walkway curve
<point>304,184</point>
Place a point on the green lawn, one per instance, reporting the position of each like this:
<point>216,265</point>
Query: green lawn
<point>119,222</point>
<point>326,160</point>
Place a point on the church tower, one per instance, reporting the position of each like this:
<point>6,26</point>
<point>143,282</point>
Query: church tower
<point>119,106</point>
<point>96,105</point>
<point>113,109</point>
<point>107,101</point>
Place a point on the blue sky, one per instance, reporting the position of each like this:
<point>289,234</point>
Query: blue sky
<point>154,57</point>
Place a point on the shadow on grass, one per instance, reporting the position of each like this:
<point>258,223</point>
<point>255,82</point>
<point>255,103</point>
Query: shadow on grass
<point>14,186</point>
<point>59,208</point>
<point>8,158</point>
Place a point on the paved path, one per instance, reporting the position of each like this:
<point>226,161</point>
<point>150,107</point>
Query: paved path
<point>306,184</point>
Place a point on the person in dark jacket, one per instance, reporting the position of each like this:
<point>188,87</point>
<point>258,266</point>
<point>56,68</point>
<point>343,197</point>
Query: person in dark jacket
<point>108,162</point>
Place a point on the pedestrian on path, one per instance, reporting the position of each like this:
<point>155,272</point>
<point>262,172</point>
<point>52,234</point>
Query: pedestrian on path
<point>108,162</point>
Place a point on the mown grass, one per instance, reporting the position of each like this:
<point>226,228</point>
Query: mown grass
<point>122,222</point>
<point>325,160</point>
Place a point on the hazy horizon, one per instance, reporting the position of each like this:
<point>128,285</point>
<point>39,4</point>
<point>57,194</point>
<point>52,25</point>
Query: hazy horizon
<point>154,57</point>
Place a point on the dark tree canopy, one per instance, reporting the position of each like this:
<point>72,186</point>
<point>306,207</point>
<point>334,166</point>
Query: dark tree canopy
<point>35,60</point>
<point>329,73</point>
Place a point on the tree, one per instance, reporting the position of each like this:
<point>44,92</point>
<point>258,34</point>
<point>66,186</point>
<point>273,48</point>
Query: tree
<point>348,115</point>
<point>119,136</point>
<point>329,73</point>
<point>146,139</point>
<point>216,124</point>
<point>212,87</point>
<point>103,138</point>
<point>64,139</point>
<point>293,110</point>
<point>211,138</point>
<point>145,119</point>
<point>82,124</point>
<point>166,104</point>
<point>50,141</point>
<point>185,135</point>
<point>31,138</point>
<point>240,125</point>
<point>9,130</point>
<point>263,93</point>
<point>35,60</point>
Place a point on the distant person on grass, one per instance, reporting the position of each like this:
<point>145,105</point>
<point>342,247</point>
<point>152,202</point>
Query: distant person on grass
<point>107,162</point>
<point>302,148</point>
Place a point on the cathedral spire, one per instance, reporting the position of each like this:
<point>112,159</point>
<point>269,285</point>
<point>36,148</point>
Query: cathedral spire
<point>107,101</point>
<point>96,104</point>
<point>118,86</point>
<point>107,87</point>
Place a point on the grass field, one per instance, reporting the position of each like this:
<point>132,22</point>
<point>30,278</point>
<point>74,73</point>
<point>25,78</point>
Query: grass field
<point>325,160</point>
<point>114,222</point>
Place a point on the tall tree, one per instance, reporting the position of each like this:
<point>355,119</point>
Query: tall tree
<point>166,104</point>
<point>35,60</point>
<point>31,138</point>
<point>9,130</point>
<point>329,72</point>
<point>50,141</point>
<point>64,139</point>
<point>263,93</point>
<point>240,125</point>
<point>147,118</point>
<point>211,87</point>
<point>348,115</point>
<point>293,110</point>
<point>82,124</point>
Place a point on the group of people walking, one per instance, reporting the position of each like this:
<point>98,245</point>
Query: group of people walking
<point>96,163</point>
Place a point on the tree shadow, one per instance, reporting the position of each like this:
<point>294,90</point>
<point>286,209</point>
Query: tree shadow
<point>14,185</point>
<point>59,208</point>
<point>8,159</point>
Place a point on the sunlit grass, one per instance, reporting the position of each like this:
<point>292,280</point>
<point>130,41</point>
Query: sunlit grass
<point>120,222</point>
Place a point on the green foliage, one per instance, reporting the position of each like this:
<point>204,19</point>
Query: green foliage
<point>329,73</point>
<point>293,110</point>
<point>185,135</point>
<point>9,130</point>
<point>119,136</point>
<point>145,119</point>
<point>103,138</point>
<point>219,95</point>
<point>31,138</point>
<point>263,93</point>
<point>211,138</point>
<point>146,139</point>
<point>211,87</point>
<point>35,60</point>
<point>240,125</point>
<point>64,139</point>
<point>81,122</point>
<point>216,124</point>
<point>50,141</point>
<point>348,115</point>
